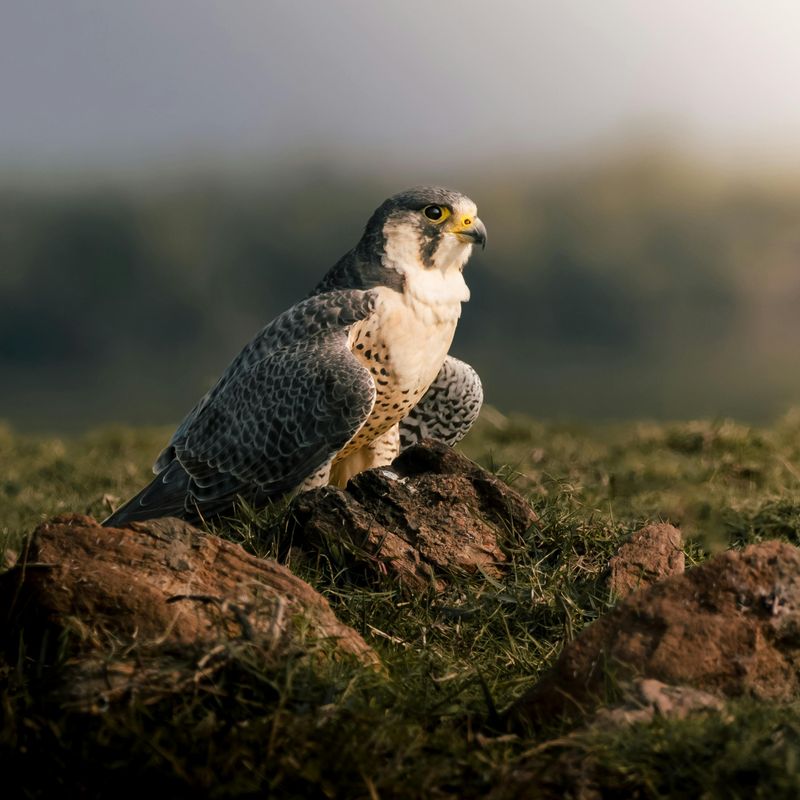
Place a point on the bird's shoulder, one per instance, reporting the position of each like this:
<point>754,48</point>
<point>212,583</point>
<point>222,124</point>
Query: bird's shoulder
<point>327,312</point>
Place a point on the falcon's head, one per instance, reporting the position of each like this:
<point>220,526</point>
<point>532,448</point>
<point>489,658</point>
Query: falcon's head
<point>427,228</point>
<point>416,241</point>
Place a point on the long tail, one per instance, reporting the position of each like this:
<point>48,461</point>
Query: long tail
<point>167,495</point>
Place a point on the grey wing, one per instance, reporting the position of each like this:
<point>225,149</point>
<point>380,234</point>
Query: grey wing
<point>283,408</point>
<point>330,311</point>
<point>278,422</point>
<point>272,426</point>
<point>448,409</point>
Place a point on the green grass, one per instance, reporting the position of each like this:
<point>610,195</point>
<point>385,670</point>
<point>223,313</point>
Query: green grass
<point>427,727</point>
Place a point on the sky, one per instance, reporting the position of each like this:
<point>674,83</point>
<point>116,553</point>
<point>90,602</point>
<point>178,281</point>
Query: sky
<point>92,83</point>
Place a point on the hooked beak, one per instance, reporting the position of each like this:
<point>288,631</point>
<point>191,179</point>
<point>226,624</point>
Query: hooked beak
<point>471,230</point>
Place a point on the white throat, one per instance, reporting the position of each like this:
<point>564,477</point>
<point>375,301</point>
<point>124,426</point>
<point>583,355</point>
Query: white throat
<point>434,293</point>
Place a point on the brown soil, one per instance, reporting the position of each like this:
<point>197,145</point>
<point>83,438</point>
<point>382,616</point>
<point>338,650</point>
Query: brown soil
<point>653,553</point>
<point>438,515</point>
<point>153,606</point>
<point>730,626</point>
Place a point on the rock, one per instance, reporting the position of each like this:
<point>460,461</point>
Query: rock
<point>9,559</point>
<point>143,603</point>
<point>434,514</point>
<point>730,626</point>
<point>653,553</point>
<point>645,698</point>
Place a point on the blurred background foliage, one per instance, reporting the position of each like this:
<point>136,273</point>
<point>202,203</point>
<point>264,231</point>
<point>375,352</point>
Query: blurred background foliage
<point>644,283</point>
<point>173,176</point>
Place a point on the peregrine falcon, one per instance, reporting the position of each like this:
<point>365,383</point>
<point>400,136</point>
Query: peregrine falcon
<point>341,380</point>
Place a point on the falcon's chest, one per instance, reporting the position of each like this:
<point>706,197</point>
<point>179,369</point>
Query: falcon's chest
<point>403,344</point>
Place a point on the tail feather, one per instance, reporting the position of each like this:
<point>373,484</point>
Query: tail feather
<point>167,495</point>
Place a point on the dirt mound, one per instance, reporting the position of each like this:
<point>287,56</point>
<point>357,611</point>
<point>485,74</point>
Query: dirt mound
<point>153,606</point>
<point>730,626</point>
<point>653,552</point>
<point>434,514</point>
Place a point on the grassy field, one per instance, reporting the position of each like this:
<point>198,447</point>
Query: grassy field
<point>425,728</point>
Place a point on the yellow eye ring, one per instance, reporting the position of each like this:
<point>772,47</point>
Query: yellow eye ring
<point>436,213</point>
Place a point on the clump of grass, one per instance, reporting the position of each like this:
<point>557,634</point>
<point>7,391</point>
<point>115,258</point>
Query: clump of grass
<point>752,750</point>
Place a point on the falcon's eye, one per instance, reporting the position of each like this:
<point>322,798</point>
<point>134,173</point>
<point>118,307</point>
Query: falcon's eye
<point>436,213</point>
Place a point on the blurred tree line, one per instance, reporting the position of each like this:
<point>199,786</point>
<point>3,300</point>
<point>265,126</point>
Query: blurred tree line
<point>639,286</point>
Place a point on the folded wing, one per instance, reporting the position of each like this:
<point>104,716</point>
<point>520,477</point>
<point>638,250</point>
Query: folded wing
<point>284,408</point>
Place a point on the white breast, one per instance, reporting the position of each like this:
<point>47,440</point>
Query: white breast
<point>403,351</point>
<point>417,329</point>
<point>435,296</point>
